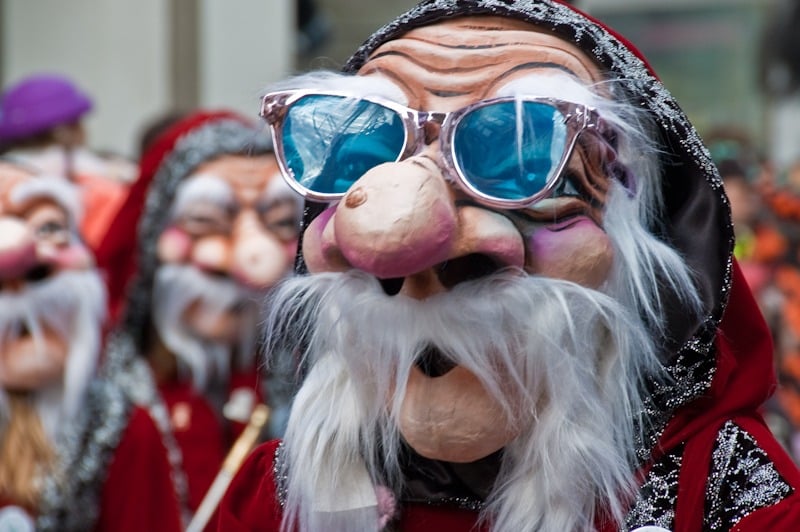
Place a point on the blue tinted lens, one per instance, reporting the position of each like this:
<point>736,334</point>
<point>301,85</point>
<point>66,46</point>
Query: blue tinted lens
<point>510,150</point>
<point>331,141</point>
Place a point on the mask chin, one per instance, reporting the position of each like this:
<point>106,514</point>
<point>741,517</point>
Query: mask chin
<point>451,417</point>
<point>211,324</point>
<point>30,363</point>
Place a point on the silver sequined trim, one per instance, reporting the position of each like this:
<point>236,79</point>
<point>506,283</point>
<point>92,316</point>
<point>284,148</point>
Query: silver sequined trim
<point>656,499</point>
<point>743,479</point>
<point>280,473</point>
<point>85,454</point>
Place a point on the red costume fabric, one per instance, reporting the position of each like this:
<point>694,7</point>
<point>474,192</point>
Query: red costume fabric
<point>138,493</point>
<point>743,381</point>
<point>780,272</point>
<point>202,436</point>
<point>199,434</point>
<point>102,198</point>
<point>250,504</point>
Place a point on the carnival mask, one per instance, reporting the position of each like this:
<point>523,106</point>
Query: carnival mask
<point>51,299</point>
<point>232,234</point>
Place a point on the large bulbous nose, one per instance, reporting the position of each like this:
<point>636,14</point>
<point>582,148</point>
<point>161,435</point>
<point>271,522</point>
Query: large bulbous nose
<point>396,220</point>
<point>258,259</point>
<point>17,249</point>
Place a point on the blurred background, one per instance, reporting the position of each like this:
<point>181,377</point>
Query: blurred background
<point>731,63</point>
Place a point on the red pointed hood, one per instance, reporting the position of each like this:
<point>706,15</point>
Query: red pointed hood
<point>116,254</point>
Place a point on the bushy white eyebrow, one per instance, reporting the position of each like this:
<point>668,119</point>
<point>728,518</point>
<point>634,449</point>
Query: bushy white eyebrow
<point>550,85</point>
<point>54,188</point>
<point>277,190</point>
<point>362,86</point>
<point>206,188</point>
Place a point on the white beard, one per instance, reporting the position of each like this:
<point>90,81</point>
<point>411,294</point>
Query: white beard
<point>566,363</point>
<point>73,304</point>
<point>175,288</point>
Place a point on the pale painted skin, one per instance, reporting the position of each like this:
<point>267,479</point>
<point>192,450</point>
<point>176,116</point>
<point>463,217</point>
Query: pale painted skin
<point>248,233</point>
<point>401,219</point>
<point>36,243</point>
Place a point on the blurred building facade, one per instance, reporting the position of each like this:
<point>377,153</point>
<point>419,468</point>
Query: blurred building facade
<point>144,58</point>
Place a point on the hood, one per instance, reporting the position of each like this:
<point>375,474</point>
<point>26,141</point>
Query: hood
<point>710,355</point>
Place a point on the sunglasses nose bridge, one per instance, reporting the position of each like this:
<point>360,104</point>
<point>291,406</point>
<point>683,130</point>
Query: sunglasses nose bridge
<point>430,124</point>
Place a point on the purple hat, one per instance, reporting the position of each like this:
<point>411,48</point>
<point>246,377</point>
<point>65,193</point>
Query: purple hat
<point>38,103</point>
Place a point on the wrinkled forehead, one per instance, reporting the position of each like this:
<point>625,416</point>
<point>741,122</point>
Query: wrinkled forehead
<point>241,170</point>
<point>474,56</point>
<point>233,179</point>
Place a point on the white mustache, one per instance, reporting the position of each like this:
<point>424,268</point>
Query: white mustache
<point>523,327</point>
<point>178,286</point>
<point>187,284</point>
<point>502,315</point>
<point>73,305</point>
<point>52,302</point>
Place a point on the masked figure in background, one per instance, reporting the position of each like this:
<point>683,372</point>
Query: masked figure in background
<point>74,454</point>
<point>216,226</point>
<point>42,125</point>
<point>522,310</point>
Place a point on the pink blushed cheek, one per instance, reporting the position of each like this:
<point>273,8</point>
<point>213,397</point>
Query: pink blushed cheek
<point>72,257</point>
<point>543,245</point>
<point>318,251</point>
<point>174,245</point>
<point>319,223</point>
<point>577,251</point>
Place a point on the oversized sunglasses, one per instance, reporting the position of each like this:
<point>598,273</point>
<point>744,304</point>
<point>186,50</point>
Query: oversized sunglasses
<point>506,152</point>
